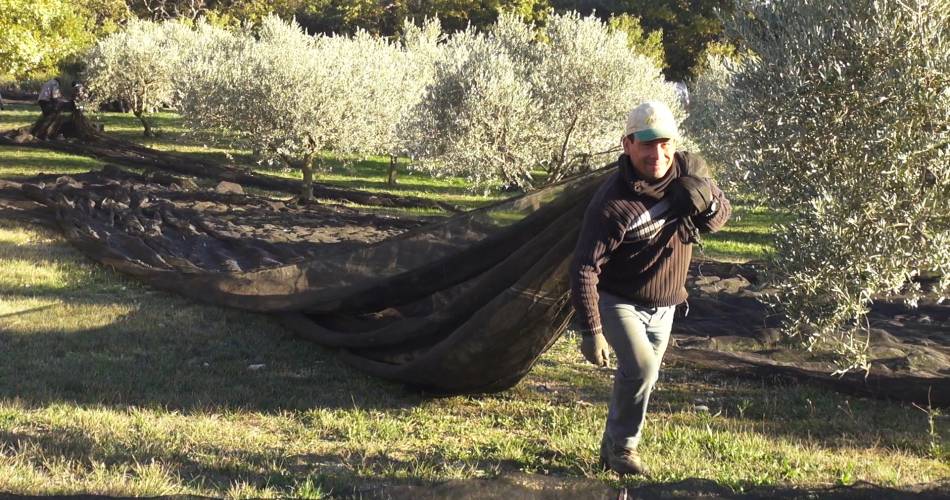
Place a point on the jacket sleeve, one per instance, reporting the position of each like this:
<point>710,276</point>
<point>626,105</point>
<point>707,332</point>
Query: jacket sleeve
<point>712,222</point>
<point>600,234</point>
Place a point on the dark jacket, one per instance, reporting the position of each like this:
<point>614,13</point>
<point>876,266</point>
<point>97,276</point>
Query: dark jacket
<point>633,243</point>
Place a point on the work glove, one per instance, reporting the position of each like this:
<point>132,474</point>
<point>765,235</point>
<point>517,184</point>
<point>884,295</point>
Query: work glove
<point>594,348</point>
<point>689,195</point>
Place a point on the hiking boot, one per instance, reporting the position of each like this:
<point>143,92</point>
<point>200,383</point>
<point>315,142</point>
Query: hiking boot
<point>621,460</point>
<point>626,461</point>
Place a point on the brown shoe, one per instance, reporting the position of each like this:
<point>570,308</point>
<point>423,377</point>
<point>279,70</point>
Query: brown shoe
<point>624,461</point>
<point>621,460</point>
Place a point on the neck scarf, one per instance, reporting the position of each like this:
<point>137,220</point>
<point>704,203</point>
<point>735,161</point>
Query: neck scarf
<point>638,185</point>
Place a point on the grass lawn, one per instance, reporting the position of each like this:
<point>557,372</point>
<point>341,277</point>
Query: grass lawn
<point>109,387</point>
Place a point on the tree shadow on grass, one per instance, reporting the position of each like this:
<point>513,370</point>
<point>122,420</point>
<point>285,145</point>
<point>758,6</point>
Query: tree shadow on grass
<point>138,347</point>
<point>532,486</point>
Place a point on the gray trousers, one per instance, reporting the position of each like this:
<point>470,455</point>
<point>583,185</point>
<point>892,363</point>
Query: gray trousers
<point>638,336</point>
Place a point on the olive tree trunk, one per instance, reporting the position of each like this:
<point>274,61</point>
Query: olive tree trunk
<point>146,127</point>
<point>391,174</point>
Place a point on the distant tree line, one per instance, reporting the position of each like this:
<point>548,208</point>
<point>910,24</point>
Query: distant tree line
<point>37,37</point>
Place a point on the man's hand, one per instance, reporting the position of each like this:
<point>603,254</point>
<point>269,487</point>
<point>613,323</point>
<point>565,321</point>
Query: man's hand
<point>690,195</point>
<point>594,348</point>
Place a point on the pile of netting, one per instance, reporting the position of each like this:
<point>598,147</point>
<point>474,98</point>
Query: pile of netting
<point>462,305</point>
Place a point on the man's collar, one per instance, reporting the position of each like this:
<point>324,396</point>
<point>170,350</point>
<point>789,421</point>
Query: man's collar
<point>641,186</point>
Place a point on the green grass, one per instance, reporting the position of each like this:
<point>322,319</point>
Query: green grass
<point>16,162</point>
<point>110,387</point>
<point>747,235</point>
<point>357,173</point>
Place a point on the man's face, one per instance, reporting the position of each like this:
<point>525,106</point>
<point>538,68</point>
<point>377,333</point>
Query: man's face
<point>651,159</point>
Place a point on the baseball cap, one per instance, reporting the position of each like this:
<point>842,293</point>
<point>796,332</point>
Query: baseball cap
<point>651,120</point>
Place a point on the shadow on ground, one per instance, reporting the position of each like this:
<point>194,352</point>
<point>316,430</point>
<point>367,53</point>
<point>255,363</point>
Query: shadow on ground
<point>537,487</point>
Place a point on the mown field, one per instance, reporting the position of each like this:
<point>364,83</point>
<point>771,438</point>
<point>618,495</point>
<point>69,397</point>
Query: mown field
<point>110,387</point>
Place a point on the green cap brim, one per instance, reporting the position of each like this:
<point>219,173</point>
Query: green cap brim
<point>652,134</point>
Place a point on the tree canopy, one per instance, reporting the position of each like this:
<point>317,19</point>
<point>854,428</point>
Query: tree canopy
<point>678,30</point>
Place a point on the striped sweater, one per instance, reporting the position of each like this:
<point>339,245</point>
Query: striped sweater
<point>633,245</point>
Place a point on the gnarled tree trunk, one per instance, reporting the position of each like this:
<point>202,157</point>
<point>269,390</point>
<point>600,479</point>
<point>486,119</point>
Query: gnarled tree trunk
<point>68,123</point>
<point>146,127</point>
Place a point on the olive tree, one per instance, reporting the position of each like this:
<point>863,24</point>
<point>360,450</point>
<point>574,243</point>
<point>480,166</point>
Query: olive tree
<point>137,65</point>
<point>841,117</point>
<point>587,79</point>
<point>420,48</point>
<point>290,96</point>
<point>710,94</point>
<point>478,118</point>
<point>519,98</point>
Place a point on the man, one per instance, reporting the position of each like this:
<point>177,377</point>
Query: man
<point>629,268</point>
<point>49,96</point>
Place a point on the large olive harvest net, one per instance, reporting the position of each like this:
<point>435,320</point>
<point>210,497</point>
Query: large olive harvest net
<point>462,305</point>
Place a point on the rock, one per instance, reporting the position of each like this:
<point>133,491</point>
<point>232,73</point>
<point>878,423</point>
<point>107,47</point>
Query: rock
<point>203,206</point>
<point>225,187</point>
<point>885,352</point>
<point>189,185</point>
<point>881,337</point>
<point>706,280</point>
<point>733,285</point>
<point>68,181</point>
<point>22,137</point>
<point>751,294</point>
<point>769,336</point>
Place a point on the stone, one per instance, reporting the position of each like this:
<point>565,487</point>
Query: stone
<point>203,206</point>
<point>189,185</point>
<point>23,137</point>
<point>276,205</point>
<point>751,294</point>
<point>769,336</point>
<point>885,352</point>
<point>733,285</point>
<point>225,187</point>
<point>706,280</point>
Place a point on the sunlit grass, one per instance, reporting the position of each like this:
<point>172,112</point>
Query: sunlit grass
<point>24,162</point>
<point>747,235</point>
<point>18,115</point>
